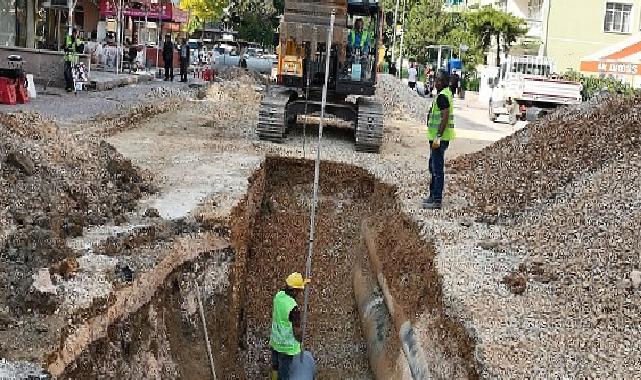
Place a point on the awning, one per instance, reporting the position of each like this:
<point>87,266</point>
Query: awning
<point>623,58</point>
<point>155,11</point>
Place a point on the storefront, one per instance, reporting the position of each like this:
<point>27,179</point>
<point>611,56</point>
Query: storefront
<point>621,61</point>
<point>143,23</point>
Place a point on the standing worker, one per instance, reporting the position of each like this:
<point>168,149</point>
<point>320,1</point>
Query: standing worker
<point>440,131</point>
<point>184,60</point>
<point>168,58</point>
<point>73,45</point>
<point>286,336</point>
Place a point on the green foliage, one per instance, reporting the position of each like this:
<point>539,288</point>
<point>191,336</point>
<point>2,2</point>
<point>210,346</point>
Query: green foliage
<point>594,85</point>
<point>256,20</point>
<point>428,24</point>
<point>201,11</point>
<point>256,27</point>
<point>488,22</point>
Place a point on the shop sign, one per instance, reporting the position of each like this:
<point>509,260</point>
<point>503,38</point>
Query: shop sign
<point>620,68</point>
<point>626,68</point>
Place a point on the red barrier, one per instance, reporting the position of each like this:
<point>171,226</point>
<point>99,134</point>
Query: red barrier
<point>7,91</point>
<point>22,96</point>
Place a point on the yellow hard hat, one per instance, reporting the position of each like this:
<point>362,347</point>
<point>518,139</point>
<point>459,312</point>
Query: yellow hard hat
<point>296,281</point>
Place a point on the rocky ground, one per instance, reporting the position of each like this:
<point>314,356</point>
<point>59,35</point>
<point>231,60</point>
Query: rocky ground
<point>536,249</point>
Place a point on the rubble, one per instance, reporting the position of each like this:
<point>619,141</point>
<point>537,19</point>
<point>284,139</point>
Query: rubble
<point>56,186</point>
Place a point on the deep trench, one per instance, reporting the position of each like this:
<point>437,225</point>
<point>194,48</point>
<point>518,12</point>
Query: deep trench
<point>269,237</point>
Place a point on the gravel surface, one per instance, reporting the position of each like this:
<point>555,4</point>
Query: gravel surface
<point>537,244</point>
<point>69,108</point>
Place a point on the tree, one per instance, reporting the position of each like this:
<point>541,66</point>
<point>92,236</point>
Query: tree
<point>201,11</point>
<point>256,20</point>
<point>426,24</point>
<point>488,23</point>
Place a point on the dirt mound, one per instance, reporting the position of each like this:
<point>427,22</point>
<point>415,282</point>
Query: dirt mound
<point>534,164</point>
<point>242,75</point>
<point>565,191</point>
<point>53,186</point>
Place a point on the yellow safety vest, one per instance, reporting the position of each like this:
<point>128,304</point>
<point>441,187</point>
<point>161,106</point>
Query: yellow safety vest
<point>282,338</point>
<point>434,122</point>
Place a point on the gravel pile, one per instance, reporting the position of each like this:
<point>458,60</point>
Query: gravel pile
<point>400,101</point>
<point>543,225</point>
<point>242,75</point>
<point>533,165</point>
<point>53,186</point>
<point>169,92</point>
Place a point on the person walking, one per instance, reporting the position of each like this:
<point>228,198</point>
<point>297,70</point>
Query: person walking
<point>184,60</point>
<point>73,45</point>
<point>440,131</point>
<point>168,58</point>
<point>412,73</point>
<point>286,336</point>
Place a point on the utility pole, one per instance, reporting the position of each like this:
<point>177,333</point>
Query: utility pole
<point>400,69</point>
<point>394,30</point>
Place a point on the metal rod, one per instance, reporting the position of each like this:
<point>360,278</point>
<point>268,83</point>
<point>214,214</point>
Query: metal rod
<point>312,224</point>
<point>394,30</point>
<point>306,100</point>
<point>400,71</point>
<point>202,317</point>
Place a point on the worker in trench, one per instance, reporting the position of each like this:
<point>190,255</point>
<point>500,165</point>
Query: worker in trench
<point>288,362</point>
<point>440,131</point>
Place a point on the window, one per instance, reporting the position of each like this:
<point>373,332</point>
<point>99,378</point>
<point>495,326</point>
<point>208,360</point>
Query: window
<point>534,9</point>
<point>617,17</point>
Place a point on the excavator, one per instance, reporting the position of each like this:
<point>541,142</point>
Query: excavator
<point>295,99</point>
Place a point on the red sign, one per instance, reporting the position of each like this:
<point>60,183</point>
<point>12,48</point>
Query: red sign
<point>153,11</point>
<point>613,67</point>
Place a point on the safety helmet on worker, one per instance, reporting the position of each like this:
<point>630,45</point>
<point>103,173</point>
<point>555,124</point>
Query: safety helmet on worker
<point>296,281</point>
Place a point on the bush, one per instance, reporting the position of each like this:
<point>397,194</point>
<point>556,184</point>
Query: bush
<point>592,86</point>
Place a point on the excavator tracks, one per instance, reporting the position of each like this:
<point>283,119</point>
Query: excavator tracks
<point>271,117</point>
<point>369,128</point>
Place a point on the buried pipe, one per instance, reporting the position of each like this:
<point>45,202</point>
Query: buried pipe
<point>409,342</point>
<point>375,322</point>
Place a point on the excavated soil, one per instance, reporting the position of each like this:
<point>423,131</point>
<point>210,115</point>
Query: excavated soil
<point>163,338</point>
<point>276,245</point>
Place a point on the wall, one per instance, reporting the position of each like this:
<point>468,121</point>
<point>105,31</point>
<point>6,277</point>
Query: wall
<point>45,65</point>
<point>91,16</point>
<point>575,30</point>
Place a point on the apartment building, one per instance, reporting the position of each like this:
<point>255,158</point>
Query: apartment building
<point>578,28</point>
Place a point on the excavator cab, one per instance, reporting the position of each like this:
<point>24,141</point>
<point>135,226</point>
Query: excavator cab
<point>295,100</point>
<point>357,75</point>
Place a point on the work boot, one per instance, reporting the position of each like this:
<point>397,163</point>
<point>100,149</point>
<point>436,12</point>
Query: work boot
<point>433,205</point>
<point>427,200</point>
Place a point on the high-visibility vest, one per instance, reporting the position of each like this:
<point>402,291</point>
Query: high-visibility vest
<point>434,122</point>
<point>282,338</point>
<point>364,38</point>
<point>71,47</point>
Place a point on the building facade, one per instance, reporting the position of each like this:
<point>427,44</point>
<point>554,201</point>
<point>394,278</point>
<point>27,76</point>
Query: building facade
<point>575,29</point>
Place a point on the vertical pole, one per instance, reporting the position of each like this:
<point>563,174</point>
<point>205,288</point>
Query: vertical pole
<point>394,30</point>
<point>312,224</point>
<point>202,317</point>
<point>400,71</point>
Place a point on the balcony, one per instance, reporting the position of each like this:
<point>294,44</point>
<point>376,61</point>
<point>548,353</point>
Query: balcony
<point>534,29</point>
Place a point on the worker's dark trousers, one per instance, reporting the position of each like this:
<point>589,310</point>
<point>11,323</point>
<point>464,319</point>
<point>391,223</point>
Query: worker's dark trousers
<point>169,70</point>
<point>437,170</point>
<point>68,76</point>
<point>184,69</point>
<point>281,362</point>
